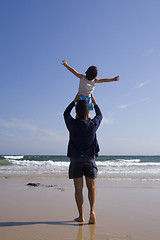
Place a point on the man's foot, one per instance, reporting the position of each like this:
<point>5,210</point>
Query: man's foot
<point>92,219</point>
<point>79,219</point>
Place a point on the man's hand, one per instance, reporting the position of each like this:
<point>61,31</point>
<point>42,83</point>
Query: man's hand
<point>77,97</point>
<point>64,62</point>
<point>116,78</point>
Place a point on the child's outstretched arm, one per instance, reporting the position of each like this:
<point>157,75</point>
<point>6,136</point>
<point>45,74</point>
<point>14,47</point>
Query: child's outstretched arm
<point>97,80</point>
<point>64,62</point>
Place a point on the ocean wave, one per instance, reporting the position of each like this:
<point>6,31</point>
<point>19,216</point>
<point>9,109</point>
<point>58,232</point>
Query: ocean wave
<point>130,160</point>
<point>118,163</point>
<point>116,166</point>
<point>48,163</point>
<point>5,162</point>
<point>13,157</point>
<point>126,163</point>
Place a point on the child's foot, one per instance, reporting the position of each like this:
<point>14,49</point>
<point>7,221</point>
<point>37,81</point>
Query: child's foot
<point>92,219</point>
<point>79,219</point>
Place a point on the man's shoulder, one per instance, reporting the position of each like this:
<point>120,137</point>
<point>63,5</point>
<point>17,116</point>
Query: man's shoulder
<point>90,122</point>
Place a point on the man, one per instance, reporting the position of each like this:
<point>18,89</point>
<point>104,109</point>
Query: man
<point>82,150</point>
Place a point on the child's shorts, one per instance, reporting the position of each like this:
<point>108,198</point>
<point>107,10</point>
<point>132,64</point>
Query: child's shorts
<point>88,99</point>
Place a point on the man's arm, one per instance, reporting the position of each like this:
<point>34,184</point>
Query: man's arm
<point>67,112</point>
<point>97,80</point>
<point>72,70</point>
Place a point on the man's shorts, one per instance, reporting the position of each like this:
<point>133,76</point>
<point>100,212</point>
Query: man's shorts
<point>79,169</point>
<point>88,99</point>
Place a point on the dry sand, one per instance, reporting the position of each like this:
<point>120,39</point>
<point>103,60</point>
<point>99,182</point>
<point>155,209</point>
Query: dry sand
<point>125,210</point>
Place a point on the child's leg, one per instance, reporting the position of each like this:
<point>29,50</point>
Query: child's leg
<point>90,103</point>
<point>88,99</point>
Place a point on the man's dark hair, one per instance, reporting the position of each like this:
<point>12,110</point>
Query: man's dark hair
<point>82,109</point>
<point>91,73</point>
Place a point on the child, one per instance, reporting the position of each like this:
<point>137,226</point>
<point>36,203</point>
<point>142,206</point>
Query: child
<point>87,82</point>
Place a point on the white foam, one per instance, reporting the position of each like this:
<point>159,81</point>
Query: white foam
<point>48,163</point>
<point>39,166</point>
<point>126,163</point>
<point>130,160</point>
<point>13,157</point>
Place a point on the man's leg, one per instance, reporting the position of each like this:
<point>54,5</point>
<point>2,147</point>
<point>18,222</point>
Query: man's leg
<point>78,184</point>
<point>92,198</point>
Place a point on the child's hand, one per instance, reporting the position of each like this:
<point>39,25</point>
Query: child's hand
<point>64,62</point>
<point>116,78</point>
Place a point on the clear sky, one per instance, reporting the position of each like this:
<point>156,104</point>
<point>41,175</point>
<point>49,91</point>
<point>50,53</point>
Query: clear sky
<point>120,37</point>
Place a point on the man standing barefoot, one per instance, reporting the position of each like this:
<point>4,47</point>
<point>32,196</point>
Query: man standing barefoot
<point>83,148</point>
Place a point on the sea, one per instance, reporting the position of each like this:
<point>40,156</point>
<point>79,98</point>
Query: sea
<point>110,167</point>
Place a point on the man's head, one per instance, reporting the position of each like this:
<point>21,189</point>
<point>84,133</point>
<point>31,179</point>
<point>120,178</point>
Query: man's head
<point>82,109</point>
<point>91,73</point>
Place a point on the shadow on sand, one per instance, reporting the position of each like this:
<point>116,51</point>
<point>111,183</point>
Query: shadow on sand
<point>13,224</point>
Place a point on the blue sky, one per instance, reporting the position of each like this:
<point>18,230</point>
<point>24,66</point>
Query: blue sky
<point>120,37</point>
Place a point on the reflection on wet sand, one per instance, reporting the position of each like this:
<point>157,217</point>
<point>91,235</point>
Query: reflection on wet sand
<point>80,233</point>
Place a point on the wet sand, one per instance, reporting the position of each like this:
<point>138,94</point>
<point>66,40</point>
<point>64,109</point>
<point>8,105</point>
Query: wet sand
<point>124,210</point>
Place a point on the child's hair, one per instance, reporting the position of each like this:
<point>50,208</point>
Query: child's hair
<point>91,73</point>
<point>82,109</point>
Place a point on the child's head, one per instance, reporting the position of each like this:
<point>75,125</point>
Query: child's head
<point>91,73</point>
<point>82,109</point>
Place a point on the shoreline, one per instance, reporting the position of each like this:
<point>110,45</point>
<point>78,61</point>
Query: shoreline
<point>124,210</point>
<point>28,175</point>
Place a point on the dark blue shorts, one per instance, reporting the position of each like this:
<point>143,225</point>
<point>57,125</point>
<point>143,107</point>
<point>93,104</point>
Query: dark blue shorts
<point>82,168</point>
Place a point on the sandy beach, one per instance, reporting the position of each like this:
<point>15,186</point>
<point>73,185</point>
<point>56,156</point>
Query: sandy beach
<point>125,210</point>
